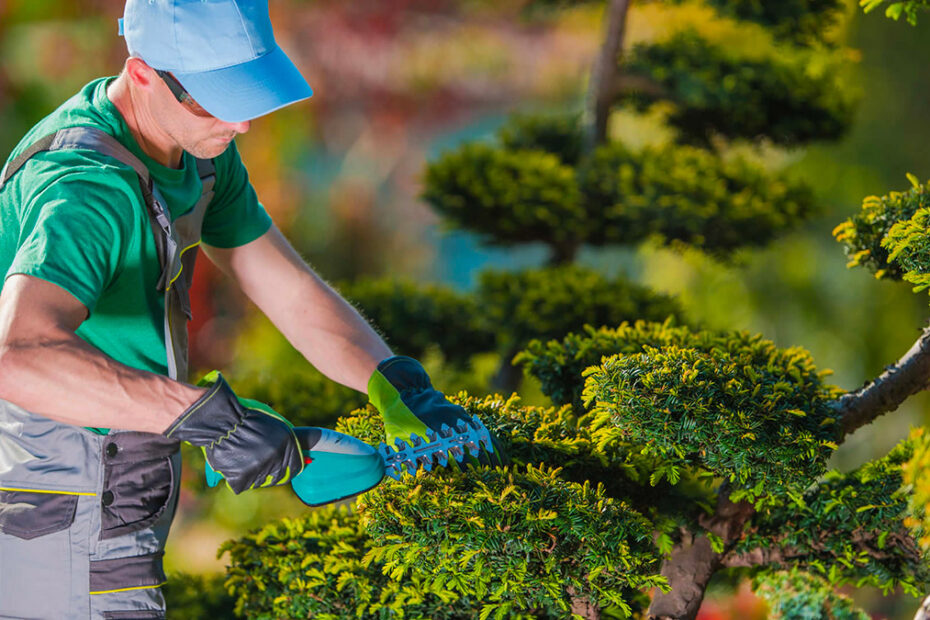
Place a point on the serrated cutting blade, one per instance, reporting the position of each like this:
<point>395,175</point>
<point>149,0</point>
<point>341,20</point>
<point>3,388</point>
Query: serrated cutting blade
<point>422,452</point>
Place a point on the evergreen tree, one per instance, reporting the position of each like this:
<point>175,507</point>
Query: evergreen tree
<point>670,453</point>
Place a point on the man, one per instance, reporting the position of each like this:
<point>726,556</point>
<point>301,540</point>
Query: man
<point>103,205</point>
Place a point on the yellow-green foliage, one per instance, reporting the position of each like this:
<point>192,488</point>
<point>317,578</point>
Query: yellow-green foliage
<point>195,597</point>
<point>849,528</point>
<point>551,302</point>
<point>501,543</point>
<point>316,567</point>
<point>558,364</point>
<point>507,196</point>
<point>752,413</point>
<point>864,234</point>
<point>517,540</point>
<point>715,91</point>
<point>682,194</point>
<point>537,191</point>
<point>909,8</point>
<point>908,246</point>
<point>801,21</point>
<point>916,474</point>
<point>415,317</point>
<point>795,595</point>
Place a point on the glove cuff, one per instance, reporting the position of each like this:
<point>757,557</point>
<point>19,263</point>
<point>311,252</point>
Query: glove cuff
<point>404,373</point>
<point>212,415</point>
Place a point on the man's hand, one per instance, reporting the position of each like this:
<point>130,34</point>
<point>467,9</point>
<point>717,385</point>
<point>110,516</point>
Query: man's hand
<point>401,390</point>
<point>245,441</point>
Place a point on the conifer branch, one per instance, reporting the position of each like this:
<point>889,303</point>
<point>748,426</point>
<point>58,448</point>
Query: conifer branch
<point>899,381</point>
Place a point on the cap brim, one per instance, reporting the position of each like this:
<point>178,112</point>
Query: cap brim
<point>249,90</point>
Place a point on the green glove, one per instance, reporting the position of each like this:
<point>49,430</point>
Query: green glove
<point>245,441</point>
<point>402,392</point>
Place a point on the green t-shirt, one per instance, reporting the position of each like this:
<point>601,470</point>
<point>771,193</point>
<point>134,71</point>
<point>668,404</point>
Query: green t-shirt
<point>77,219</point>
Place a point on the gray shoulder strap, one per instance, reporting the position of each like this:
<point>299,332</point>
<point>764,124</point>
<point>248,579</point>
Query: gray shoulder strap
<point>91,138</point>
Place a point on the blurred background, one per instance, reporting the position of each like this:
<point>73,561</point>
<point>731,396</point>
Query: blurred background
<point>397,82</point>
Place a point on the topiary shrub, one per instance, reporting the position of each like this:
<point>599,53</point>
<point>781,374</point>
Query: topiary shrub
<point>195,597</point>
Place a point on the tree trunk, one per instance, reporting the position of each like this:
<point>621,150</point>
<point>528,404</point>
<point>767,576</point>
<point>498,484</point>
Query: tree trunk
<point>583,607</point>
<point>693,561</point>
<point>602,86</point>
<point>508,377</point>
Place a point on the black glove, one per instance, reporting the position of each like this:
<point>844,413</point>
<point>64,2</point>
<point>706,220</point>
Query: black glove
<point>249,446</point>
<point>402,392</point>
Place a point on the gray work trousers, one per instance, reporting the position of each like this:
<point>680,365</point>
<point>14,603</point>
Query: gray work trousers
<point>83,519</point>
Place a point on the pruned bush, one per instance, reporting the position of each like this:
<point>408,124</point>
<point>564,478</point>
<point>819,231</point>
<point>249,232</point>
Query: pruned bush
<point>751,413</point>
<point>796,595</point>
<point>687,195</point>
<point>715,91</point>
<point>195,597</point>
<point>865,235</point>
<point>551,302</point>
<point>848,528</point>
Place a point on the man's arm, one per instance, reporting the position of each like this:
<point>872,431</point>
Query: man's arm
<point>325,328</point>
<point>47,369</point>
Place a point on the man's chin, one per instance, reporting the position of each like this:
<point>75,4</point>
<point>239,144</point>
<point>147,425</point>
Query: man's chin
<point>209,149</point>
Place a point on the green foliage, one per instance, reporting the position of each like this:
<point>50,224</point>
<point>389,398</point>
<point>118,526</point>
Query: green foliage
<point>800,21</point>
<point>688,195</point>
<point>916,475</point>
<point>677,194</point>
<point>556,436</point>
<point>298,392</point>
<point>549,303</point>
<point>315,567</point>
<point>507,196</point>
<point>848,529</point>
<point>503,543</point>
<point>195,597</point>
<point>749,412</point>
<point>895,10</point>
<point>416,317</point>
<point>715,91</point>
<point>558,364</point>
<point>864,234</point>
<point>559,134</point>
<point>794,595</point>
<point>517,540</point>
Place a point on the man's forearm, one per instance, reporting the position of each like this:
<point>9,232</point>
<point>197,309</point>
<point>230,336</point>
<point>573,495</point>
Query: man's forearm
<point>330,333</point>
<point>325,328</point>
<point>63,378</point>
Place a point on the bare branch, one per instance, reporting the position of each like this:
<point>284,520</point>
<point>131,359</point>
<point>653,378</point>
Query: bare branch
<point>905,378</point>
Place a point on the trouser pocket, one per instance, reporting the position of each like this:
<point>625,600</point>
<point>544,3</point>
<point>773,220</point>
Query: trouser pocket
<point>138,482</point>
<point>35,554</point>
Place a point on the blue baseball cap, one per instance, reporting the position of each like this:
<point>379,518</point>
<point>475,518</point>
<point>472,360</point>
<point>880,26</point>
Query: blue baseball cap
<point>223,53</point>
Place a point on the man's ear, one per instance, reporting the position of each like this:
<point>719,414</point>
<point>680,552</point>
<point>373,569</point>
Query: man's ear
<point>139,72</point>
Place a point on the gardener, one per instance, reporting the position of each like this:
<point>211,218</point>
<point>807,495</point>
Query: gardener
<point>102,207</point>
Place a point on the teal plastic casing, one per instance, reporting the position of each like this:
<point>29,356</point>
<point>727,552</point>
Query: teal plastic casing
<point>337,467</point>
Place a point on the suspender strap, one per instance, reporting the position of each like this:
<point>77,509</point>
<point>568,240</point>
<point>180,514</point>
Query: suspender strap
<point>172,258</point>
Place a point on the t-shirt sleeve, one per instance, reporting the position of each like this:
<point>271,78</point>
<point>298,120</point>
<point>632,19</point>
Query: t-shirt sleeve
<point>78,236</point>
<point>235,216</point>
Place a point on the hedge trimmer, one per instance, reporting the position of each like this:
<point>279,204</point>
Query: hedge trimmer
<point>339,466</point>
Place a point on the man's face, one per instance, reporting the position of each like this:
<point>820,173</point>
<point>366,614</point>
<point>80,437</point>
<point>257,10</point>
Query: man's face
<point>194,129</point>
